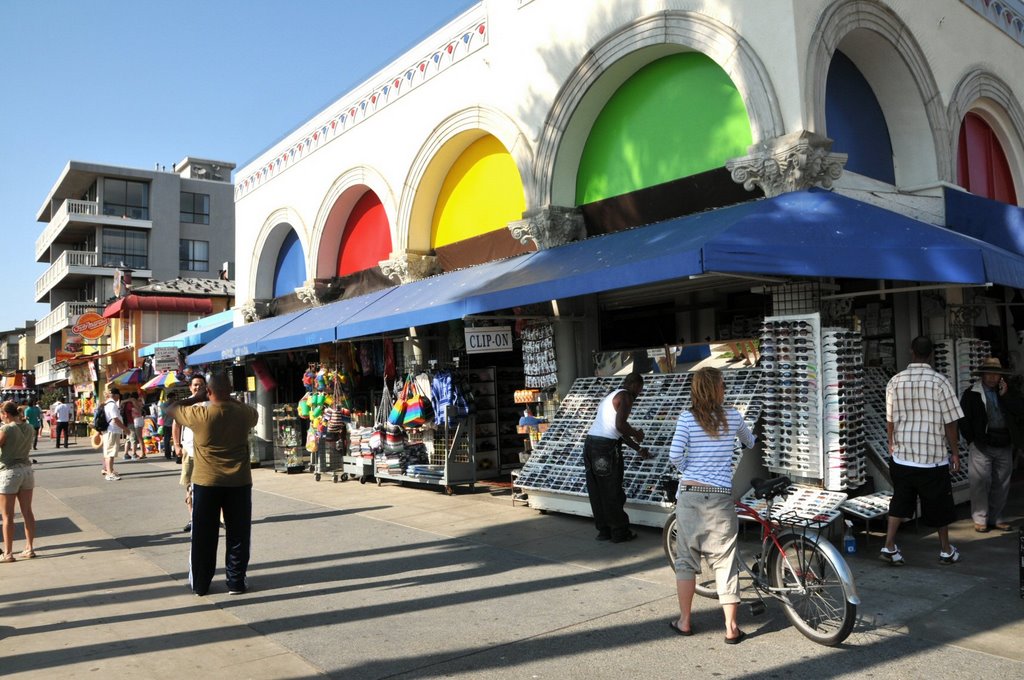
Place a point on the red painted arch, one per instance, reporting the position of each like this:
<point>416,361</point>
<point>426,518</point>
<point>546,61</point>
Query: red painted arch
<point>367,236</point>
<point>982,167</point>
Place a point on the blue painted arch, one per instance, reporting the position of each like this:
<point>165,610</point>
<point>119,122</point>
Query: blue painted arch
<point>290,268</point>
<point>855,121</point>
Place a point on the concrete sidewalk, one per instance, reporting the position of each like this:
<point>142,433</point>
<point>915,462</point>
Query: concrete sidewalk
<point>362,581</point>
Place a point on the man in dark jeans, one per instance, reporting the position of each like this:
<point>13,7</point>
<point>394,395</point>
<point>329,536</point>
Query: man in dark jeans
<point>221,482</point>
<point>62,413</point>
<point>602,459</point>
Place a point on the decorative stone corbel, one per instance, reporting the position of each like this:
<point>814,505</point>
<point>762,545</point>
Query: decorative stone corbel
<point>551,226</point>
<point>307,294</point>
<point>253,310</point>
<point>406,267</point>
<point>793,162</point>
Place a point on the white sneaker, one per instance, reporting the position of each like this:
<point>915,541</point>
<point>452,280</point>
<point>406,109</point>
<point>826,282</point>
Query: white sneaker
<point>112,478</point>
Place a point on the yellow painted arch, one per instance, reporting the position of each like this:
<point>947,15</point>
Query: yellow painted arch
<point>482,192</point>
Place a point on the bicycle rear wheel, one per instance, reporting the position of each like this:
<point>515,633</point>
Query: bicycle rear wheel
<point>813,595</point>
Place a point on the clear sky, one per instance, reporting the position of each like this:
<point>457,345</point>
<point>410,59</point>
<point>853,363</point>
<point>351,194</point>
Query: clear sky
<point>140,82</point>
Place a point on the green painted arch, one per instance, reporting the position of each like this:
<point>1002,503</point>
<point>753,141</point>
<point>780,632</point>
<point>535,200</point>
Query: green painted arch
<point>482,192</point>
<point>675,117</point>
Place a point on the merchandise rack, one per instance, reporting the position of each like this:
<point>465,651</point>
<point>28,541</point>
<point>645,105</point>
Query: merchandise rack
<point>450,457</point>
<point>819,508</point>
<point>842,376</point>
<point>290,453</point>
<point>555,477</point>
<point>793,427</point>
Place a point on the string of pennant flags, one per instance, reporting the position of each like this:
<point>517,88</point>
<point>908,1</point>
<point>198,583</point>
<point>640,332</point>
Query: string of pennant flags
<point>468,41</point>
<point>1005,15</point>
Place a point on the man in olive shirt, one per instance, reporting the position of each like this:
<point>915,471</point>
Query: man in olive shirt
<point>221,481</point>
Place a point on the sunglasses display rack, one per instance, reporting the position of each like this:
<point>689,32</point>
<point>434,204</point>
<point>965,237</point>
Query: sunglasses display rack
<point>945,359</point>
<point>969,353</point>
<point>842,354</point>
<point>790,360</point>
<point>556,464</point>
<point>876,436</point>
<point>813,505</point>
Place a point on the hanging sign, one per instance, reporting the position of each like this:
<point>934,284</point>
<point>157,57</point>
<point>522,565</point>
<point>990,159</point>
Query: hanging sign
<point>165,359</point>
<point>90,325</point>
<point>488,339</point>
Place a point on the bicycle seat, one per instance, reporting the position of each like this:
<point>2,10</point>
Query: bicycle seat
<point>670,486</point>
<point>769,488</point>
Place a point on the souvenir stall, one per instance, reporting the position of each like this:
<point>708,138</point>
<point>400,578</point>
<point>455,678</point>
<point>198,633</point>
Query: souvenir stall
<point>425,431</point>
<point>818,414</point>
<point>313,434</point>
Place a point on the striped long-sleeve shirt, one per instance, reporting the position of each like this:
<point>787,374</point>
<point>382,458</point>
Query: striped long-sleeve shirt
<point>705,459</point>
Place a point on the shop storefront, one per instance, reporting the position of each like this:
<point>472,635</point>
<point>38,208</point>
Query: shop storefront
<point>568,322</point>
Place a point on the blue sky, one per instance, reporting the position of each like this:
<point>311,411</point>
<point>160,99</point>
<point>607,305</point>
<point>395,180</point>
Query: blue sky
<point>138,83</point>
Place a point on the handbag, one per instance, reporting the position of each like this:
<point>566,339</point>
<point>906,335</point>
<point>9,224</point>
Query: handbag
<point>397,414</point>
<point>418,411</point>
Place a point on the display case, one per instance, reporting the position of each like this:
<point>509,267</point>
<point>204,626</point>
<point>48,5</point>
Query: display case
<point>511,442</point>
<point>289,446</point>
<point>486,428</point>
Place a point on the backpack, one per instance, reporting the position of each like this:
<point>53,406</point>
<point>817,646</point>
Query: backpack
<point>99,419</point>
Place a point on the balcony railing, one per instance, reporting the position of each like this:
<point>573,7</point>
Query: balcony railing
<point>60,268</point>
<point>61,317</point>
<point>68,210</point>
<point>47,373</point>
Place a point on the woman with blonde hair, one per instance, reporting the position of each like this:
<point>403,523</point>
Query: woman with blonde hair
<point>702,450</point>
<point>16,478</point>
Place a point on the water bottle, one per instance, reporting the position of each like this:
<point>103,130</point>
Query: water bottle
<point>849,540</point>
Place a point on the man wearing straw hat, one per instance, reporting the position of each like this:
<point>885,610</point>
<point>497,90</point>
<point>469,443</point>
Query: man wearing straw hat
<point>993,414</point>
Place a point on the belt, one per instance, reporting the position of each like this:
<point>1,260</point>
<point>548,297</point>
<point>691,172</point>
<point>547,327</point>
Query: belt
<point>705,489</point>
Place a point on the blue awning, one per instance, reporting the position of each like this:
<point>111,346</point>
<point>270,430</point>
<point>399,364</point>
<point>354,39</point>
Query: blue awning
<point>811,233</point>
<point>198,332</point>
<point>999,224</point>
<point>316,325</point>
<point>822,234</point>
<point>240,340</point>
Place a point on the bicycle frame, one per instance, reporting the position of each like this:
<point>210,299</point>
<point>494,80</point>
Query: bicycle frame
<point>772,529</point>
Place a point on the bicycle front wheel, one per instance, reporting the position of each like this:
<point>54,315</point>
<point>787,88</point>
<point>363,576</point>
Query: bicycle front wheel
<point>814,597</point>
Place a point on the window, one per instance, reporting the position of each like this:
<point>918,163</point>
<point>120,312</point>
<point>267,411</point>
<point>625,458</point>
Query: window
<point>149,329</point>
<point>195,208</point>
<point>172,323</point>
<point>125,245</point>
<point>194,256</point>
<point>125,198</point>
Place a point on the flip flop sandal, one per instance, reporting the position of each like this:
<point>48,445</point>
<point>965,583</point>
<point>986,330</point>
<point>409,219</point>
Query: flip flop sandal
<point>28,554</point>
<point>680,631</point>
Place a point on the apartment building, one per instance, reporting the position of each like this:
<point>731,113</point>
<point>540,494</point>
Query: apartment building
<point>104,222</point>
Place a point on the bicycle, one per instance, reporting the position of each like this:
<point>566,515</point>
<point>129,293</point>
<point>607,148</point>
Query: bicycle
<point>793,564</point>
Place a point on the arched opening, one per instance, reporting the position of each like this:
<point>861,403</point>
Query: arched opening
<point>677,116</point>
<point>855,121</point>
<point>290,267</point>
<point>481,193</point>
<point>366,239</point>
<point>982,167</point>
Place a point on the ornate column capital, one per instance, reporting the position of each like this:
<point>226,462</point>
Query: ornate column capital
<point>796,161</point>
<point>307,294</point>
<point>550,226</point>
<point>405,267</point>
<point>253,310</point>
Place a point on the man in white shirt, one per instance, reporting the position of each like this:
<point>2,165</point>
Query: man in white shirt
<point>112,437</point>
<point>62,414</point>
